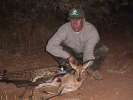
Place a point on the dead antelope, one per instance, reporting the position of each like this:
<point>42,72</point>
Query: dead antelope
<point>67,83</point>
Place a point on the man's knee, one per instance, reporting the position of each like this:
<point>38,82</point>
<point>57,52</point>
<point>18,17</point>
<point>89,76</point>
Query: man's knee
<point>101,50</point>
<point>100,53</point>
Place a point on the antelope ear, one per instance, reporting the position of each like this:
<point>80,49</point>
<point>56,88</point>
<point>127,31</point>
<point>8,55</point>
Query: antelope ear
<point>87,64</point>
<point>73,66</point>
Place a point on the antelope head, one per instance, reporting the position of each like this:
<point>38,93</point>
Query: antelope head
<point>79,70</point>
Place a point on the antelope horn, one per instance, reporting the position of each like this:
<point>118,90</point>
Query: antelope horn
<point>87,64</point>
<point>73,65</point>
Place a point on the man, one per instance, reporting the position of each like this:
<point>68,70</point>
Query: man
<point>76,41</point>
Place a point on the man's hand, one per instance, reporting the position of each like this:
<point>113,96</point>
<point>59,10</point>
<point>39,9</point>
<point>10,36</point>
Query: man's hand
<point>72,60</point>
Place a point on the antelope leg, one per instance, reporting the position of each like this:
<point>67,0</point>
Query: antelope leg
<point>58,94</point>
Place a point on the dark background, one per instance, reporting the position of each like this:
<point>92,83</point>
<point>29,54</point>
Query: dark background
<point>26,25</point>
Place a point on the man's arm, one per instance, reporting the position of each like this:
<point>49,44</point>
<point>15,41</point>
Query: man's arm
<point>54,47</point>
<point>90,44</point>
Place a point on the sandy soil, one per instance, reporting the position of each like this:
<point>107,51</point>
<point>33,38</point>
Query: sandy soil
<point>117,71</point>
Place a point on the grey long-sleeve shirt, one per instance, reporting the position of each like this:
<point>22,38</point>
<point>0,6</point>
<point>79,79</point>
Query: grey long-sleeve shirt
<point>81,42</point>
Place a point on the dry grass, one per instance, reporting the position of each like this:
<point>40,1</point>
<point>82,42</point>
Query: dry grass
<point>11,92</point>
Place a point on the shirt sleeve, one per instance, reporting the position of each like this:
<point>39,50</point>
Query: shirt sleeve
<point>91,41</point>
<point>54,44</point>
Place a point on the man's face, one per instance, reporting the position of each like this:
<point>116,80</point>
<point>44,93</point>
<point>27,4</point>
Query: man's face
<point>77,24</point>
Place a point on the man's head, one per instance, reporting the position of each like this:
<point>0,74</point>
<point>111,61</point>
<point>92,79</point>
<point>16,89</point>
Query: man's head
<point>76,17</point>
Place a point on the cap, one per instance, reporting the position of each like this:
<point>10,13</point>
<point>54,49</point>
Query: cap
<point>76,13</point>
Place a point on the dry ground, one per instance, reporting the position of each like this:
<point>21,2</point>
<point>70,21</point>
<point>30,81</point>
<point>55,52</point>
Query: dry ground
<point>117,71</point>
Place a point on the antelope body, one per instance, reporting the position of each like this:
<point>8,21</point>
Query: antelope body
<point>69,82</point>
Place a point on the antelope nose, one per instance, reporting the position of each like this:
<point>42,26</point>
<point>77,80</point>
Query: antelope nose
<point>79,79</point>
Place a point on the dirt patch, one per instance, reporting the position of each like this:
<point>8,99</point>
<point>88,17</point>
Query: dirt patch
<point>117,83</point>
